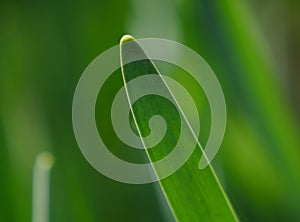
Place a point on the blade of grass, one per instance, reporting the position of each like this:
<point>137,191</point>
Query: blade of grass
<point>192,194</point>
<point>41,187</point>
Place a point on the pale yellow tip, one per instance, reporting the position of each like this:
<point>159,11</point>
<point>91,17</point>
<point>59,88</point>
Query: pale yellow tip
<point>45,160</point>
<point>126,38</point>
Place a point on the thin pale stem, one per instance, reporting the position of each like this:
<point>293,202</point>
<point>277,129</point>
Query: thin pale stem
<point>41,187</point>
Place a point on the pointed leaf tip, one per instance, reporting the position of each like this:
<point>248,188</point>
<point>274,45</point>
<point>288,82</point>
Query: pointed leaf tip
<point>126,38</point>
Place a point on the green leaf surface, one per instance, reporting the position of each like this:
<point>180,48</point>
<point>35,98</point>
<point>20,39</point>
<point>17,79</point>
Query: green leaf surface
<point>192,194</point>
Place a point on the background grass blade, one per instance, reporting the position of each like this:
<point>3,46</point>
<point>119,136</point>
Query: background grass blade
<point>41,187</point>
<point>262,134</point>
<point>192,194</point>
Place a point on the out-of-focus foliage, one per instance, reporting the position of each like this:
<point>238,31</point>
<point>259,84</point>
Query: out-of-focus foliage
<point>253,47</point>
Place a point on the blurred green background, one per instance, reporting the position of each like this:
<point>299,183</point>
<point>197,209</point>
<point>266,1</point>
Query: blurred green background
<point>254,49</point>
